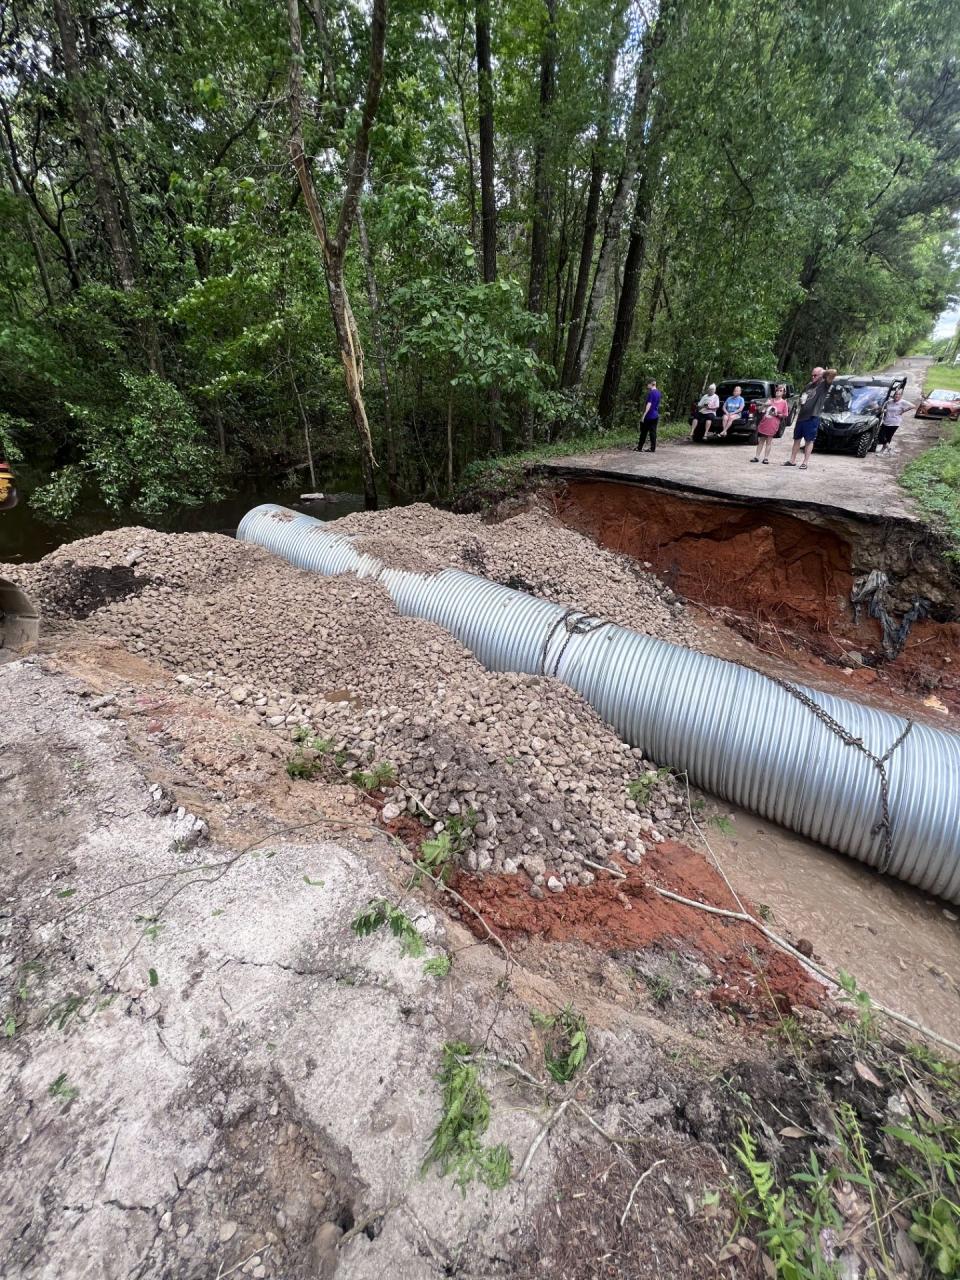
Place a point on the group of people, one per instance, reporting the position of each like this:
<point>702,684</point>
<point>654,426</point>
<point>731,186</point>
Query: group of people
<point>708,406</point>
<point>773,417</point>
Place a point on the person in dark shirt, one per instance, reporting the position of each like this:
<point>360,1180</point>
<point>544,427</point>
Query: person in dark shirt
<point>649,419</point>
<point>808,417</point>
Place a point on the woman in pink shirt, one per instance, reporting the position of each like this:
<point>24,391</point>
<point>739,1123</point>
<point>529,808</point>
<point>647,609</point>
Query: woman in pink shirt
<point>775,411</point>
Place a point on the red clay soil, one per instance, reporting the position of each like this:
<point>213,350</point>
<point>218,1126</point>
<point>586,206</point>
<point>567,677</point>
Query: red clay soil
<point>626,915</point>
<point>783,577</point>
<point>745,557</point>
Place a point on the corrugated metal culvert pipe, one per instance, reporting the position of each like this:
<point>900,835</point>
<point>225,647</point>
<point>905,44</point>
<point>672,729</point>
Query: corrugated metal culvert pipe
<point>738,734</point>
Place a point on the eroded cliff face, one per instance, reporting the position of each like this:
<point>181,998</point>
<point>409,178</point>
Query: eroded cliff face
<point>792,571</point>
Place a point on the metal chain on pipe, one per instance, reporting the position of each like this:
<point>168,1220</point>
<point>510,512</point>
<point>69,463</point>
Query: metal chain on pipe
<point>879,762</point>
<point>575,623</point>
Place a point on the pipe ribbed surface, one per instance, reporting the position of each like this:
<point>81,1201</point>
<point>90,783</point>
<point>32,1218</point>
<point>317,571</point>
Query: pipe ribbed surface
<point>736,733</point>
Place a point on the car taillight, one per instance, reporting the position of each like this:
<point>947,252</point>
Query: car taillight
<point>753,406</point>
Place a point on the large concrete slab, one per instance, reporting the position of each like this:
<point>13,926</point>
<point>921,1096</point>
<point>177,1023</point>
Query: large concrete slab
<point>865,488</point>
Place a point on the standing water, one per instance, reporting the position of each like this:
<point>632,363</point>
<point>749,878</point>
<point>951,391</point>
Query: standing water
<point>25,536</point>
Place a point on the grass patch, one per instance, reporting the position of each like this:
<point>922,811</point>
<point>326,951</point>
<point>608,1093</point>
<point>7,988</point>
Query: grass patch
<point>942,377</point>
<point>933,481</point>
<point>489,480</point>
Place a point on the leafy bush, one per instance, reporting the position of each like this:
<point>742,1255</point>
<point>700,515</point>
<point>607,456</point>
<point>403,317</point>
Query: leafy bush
<point>145,454</point>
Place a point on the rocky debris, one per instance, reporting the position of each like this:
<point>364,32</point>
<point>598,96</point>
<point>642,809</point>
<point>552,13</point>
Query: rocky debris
<point>188,831</point>
<point>518,769</point>
<point>532,552</point>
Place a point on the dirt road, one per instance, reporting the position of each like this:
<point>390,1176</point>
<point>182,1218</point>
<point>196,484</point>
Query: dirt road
<point>864,487</point>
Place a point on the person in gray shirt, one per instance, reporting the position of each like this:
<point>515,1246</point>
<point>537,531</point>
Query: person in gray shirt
<point>808,418</point>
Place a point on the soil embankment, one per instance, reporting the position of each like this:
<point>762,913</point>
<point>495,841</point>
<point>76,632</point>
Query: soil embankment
<point>785,579</point>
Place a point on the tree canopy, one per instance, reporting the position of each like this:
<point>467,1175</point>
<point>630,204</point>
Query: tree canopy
<point>245,237</point>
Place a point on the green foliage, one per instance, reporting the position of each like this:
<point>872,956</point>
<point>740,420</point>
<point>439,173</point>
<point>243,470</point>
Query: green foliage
<point>379,912</point>
<point>380,775</point>
<point>488,480</point>
<point>641,789</point>
<point>566,1046</point>
<point>866,1017</point>
<point>456,1145</point>
<point>776,230</point>
<point>437,854</point>
<point>310,754</point>
<point>722,823</point>
<point>116,447</point>
<point>790,1225</point>
<point>933,1174</point>
<point>437,966</point>
<point>937,1230</point>
<point>933,480</point>
<point>61,1090</point>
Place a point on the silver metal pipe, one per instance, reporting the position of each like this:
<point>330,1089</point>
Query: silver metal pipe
<point>736,733</point>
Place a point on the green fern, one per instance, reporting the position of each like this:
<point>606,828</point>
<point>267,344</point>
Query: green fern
<point>437,966</point>
<point>379,912</point>
<point>567,1047</point>
<point>455,1145</point>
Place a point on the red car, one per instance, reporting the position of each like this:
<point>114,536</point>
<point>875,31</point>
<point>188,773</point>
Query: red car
<point>939,404</point>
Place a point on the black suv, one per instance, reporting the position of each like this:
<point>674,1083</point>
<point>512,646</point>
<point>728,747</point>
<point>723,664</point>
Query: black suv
<point>756,392</point>
<point>852,412</point>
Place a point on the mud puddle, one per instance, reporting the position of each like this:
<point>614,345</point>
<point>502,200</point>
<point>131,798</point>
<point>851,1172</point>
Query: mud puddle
<point>901,945</point>
<point>783,582</point>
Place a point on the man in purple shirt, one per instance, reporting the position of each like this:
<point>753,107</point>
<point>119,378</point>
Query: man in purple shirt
<point>649,419</point>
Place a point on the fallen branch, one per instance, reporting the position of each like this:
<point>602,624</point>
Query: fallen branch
<point>636,1188</point>
<point>535,1144</point>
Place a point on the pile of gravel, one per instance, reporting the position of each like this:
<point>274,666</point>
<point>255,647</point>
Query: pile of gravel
<point>544,779</point>
<point>532,552</point>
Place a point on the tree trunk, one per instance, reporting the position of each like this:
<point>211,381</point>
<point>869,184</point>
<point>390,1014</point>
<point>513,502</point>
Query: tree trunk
<point>107,203</point>
<point>652,309</point>
<point>304,422</point>
<point>373,297</point>
<point>450,440</point>
<point>653,38</point>
<point>334,244</point>
<point>591,215</point>
<point>541,177</point>
<point>626,307</point>
<point>488,205</point>
<point>35,245</point>
<point>349,358</point>
<point>221,430</point>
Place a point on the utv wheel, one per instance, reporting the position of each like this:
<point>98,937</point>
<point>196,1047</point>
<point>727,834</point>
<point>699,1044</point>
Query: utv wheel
<point>863,444</point>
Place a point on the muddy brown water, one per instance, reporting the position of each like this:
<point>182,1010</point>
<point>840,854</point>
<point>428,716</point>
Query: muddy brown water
<point>902,946</point>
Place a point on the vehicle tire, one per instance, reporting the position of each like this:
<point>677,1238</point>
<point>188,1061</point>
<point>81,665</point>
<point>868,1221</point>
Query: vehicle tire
<point>863,444</point>
<point>699,431</point>
<point>753,436</point>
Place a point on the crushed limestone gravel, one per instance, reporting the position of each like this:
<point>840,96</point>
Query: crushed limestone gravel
<point>531,552</point>
<point>542,782</point>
